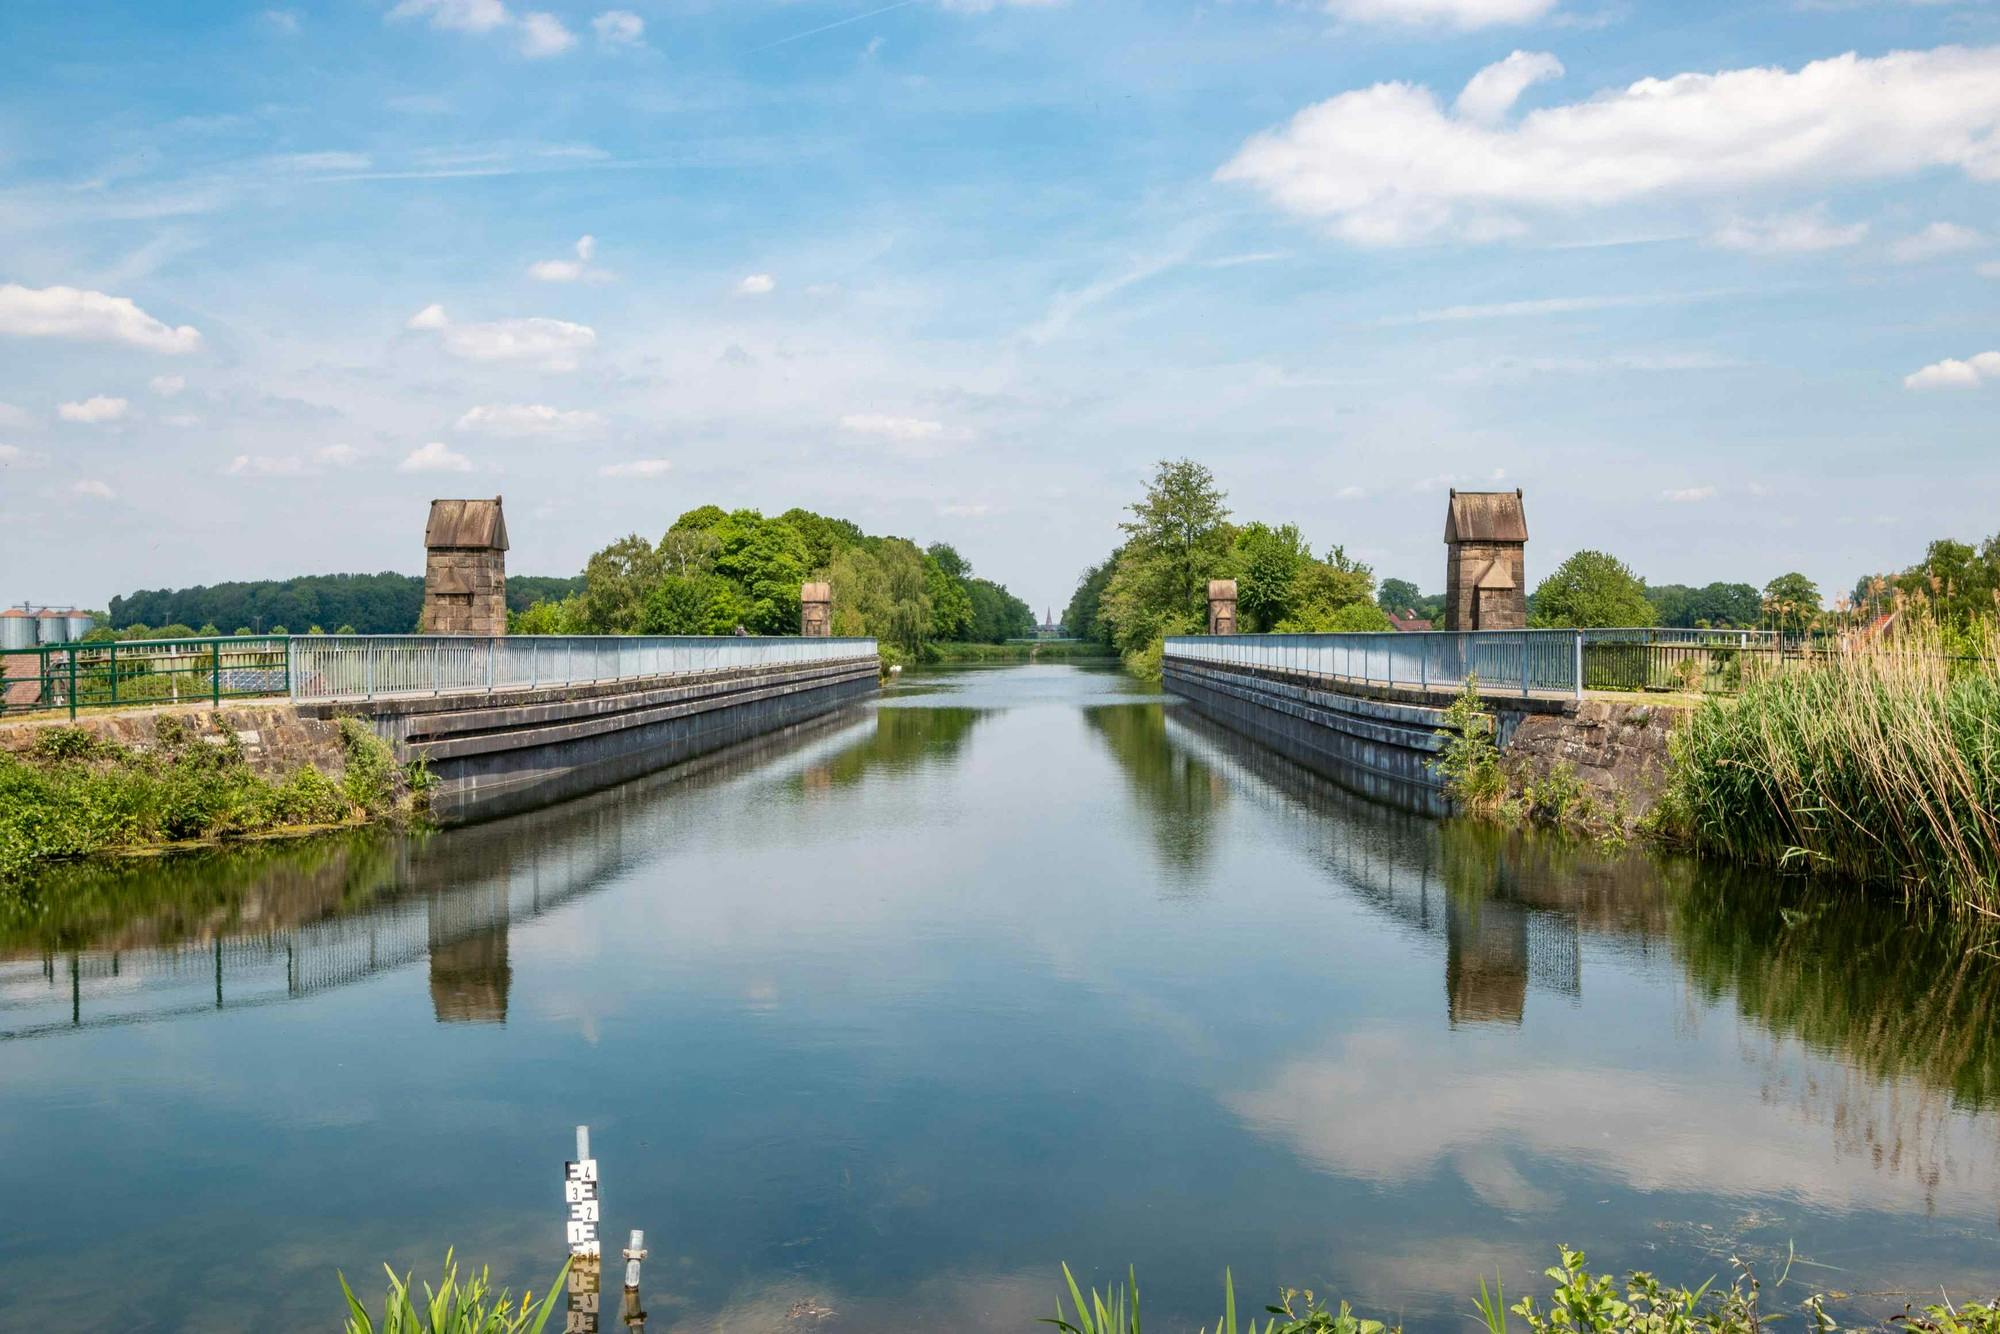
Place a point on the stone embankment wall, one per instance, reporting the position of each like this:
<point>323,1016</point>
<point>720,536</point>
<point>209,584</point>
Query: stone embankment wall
<point>1380,740</point>
<point>277,739</point>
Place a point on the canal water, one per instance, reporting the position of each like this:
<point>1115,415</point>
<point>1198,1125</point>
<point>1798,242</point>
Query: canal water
<point>877,1023</point>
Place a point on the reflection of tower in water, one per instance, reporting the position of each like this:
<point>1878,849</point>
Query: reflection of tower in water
<point>1486,962</point>
<point>469,970</point>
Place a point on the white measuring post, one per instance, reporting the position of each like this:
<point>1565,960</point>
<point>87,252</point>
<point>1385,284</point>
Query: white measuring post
<point>580,1204</point>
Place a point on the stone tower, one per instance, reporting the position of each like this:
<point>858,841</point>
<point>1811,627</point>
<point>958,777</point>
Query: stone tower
<point>1222,606</point>
<point>816,610</point>
<point>465,571</point>
<point>1485,566</point>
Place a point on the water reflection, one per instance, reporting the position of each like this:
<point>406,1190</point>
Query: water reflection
<point>894,1013</point>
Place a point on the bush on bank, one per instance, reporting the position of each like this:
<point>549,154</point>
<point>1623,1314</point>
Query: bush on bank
<point>74,794</point>
<point>1882,766</point>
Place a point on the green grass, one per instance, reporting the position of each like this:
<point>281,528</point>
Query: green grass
<point>74,795</point>
<point>1881,767</point>
<point>455,1306</point>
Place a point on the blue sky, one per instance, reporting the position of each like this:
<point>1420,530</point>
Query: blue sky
<point>1716,283</point>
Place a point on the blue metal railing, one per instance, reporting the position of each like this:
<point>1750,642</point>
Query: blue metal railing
<point>335,668</point>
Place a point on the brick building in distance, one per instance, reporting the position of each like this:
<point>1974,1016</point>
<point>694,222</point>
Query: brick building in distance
<point>1486,561</point>
<point>465,568</point>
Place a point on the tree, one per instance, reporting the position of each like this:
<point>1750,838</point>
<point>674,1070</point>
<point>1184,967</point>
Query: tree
<point>616,582</point>
<point>1792,601</point>
<point>1398,595</point>
<point>700,604</point>
<point>1592,589</point>
<point>768,560</point>
<point>951,604</point>
<point>1180,526</point>
<point>997,615</point>
<point>1081,617</point>
<point>1267,563</point>
<point>1326,595</point>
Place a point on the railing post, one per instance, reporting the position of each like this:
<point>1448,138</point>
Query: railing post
<point>368,668</point>
<point>490,642</point>
<point>1524,664</point>
<point>114,671</point>
<point>72,685</point>
<point>215,671</point>
<point>1579,664</point>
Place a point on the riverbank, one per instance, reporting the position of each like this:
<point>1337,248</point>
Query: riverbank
<point>165,779</point>
<point>1057,650</point>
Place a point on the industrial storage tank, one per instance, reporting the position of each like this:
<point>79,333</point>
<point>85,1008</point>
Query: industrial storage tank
<point>52,626</point>
<point>79,623</point>
<point>17,630</point>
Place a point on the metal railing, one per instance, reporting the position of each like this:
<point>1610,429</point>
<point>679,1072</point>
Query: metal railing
<point>138,672</point>
<point>1528,662</point>
<point>332,668</point>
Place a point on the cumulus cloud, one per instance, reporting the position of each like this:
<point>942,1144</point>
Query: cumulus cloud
<point>1787,234</point>
<point>619,27</point>
<point>543,35</point>
<point>1388,164</point>
<point>571,270</point>
<point>1951,373</point>
<point>757,284</point>
<point>459,15</point>
<point>94,489</point>
<point>1490,94</point>
<point>1689,494</point>
<point>13,416</point>
<point>71,312</point>
<point>13,456</point>
<point>94,411</point>
<point>166,386</point>
<point>435,457</point>
<point>1935,241</point>
<point>636,468</point>
<point>552,345</point>
<point>527,419</point>
<point>1462,14</point>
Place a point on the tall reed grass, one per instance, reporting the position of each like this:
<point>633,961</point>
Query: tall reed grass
<point>1881,765</point>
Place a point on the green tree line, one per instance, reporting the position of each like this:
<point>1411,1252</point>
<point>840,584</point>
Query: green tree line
<point>368,604</point>
<point>714,571</point>
<point>1180,536</point>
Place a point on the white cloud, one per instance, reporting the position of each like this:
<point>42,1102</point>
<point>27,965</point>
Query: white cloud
<point>1938,239</point>
<point>70,312</point>
<point>571,270</point>
<point>166,386</point>
<point>435,457</point>
<point>619,27</point>
<point>1689,495</point>
<point>1951,373</point>
<point>757,284</point>
<point>890,428</point>
<point>526,419</point>
<point>13,456</point>
<point>1787,234</point>
<point>13,416</point>
<point>636,468</point>
<point>965,511</point>
<point>543,35</point>
<point>93,488</point>
<point>293,465</point>
<point>1387,165</point>
<point>94,411</point>
<point>1490,94</point>
<point>1349,493</point>
<point>282,21</point>
<point>460,15</point>
<point>1990,269</point>
<point>553,345</point>
<point>1464,14</point>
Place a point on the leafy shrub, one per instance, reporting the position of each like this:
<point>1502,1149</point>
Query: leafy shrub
<point>1469,762</point>
<point>370,780</point>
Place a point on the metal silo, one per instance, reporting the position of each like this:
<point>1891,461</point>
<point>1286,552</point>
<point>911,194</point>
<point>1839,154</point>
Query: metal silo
<point>17,630</point>
<point>51,626</point>
<point>79,623</point>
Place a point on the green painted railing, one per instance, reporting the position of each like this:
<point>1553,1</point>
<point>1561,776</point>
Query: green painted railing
<point>137,672</point>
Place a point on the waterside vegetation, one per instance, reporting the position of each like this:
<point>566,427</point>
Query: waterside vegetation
<point>74,794</point>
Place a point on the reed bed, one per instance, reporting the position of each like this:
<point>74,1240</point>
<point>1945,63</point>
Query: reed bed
<point>1880,765</point>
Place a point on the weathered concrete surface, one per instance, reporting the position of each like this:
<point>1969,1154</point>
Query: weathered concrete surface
<point>1618,748</point>
<point>277,738</point>
<point>516,749</point>
<point>1380,740</point>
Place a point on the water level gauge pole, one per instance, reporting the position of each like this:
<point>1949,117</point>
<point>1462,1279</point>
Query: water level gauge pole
<point>634,1315</point>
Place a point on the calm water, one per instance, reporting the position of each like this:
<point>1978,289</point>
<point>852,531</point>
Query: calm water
<point>1017,966</point>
